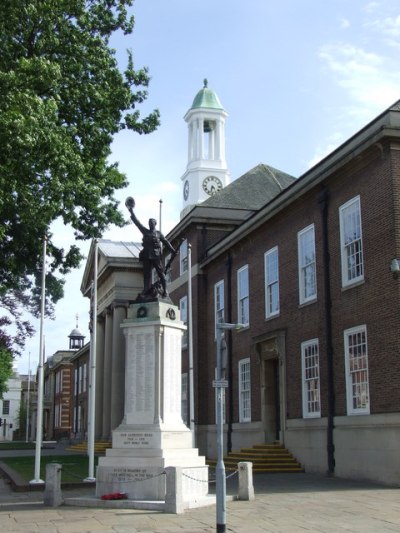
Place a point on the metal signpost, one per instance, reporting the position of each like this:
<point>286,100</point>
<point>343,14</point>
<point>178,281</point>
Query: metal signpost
<point>220,384</point>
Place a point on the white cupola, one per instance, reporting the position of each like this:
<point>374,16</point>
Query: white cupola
<point>76,338</point>
<point>206,171</point>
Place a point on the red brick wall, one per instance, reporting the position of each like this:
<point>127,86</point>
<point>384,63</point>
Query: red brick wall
<point>375,302</point>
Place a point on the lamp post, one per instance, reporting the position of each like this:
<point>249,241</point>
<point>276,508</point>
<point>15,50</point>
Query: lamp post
<point>221,383</point>
<point>39,418</point>
<point>92,379</point>
<point>190,346</point>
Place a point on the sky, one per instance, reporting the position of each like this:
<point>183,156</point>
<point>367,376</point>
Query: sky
<point>297,78</point>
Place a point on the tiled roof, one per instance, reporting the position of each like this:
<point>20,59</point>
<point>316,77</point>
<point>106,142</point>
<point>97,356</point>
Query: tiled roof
<point>252,190</point>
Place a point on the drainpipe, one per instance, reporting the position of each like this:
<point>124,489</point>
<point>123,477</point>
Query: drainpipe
<point>228,265</point>
<point>323,201</point>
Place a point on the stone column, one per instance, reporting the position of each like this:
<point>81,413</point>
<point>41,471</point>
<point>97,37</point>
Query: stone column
<point>218,127</point>
<point>118,366</point>
<point>99,379</point>
<point>107,376</point>
<point>190,143</point>
<point>201,138</point>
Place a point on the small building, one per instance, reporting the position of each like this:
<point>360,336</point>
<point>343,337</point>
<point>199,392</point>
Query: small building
<point>9,408</point>
<point>79,401</point>
<point>58,371</point>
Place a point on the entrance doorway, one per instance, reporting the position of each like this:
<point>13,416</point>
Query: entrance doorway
<point>272,422</point>
<point>271,388</point>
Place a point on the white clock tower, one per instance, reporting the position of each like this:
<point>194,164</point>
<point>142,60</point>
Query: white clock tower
<point>206,171</point>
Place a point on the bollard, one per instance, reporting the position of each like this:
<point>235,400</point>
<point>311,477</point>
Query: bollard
<point>174,493</point>
<point>52,492</point>
<point>246,487</point>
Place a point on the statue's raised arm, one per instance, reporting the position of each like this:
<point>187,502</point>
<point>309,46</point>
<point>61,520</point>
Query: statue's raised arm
<point>130,204</point>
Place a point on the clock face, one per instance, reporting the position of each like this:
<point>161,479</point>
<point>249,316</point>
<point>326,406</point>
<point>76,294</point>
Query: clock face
<point>186,190</point>
<point>211,185</point>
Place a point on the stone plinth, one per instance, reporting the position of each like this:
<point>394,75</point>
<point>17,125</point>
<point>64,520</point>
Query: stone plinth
<point>152,435</point>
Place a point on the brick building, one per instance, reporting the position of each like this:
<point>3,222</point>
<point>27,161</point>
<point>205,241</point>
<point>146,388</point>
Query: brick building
<point>309,266</point>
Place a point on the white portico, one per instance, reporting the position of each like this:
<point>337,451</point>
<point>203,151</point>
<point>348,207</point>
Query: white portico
<point>206,171</point>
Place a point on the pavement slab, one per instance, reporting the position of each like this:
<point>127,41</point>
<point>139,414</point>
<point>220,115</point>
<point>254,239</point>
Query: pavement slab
<point>284,503</point>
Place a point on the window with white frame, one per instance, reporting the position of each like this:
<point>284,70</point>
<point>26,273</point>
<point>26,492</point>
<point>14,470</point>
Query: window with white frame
<point>183,257</point>
<point>307,265</point>
<point>351,242</point>
<point>80,421</point>
<point>183,306</point>
<point>75,382</point>
<point>85,377</point>
<point>80,379</point>
<point>271,267</point>
<point>57,415</point>
<point>356,362</point>
<point>219,302</point>
<point>311,382</point>
<point>59,376</point>
<point>243,295</point>
<point>244,391</point>
<point>184,399</point>
<point>6,407</point>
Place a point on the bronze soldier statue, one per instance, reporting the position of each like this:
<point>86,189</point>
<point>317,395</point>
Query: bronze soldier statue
<point>152,254</point>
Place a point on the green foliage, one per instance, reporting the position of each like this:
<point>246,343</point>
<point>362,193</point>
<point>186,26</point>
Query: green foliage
<point>22,414</point>
<point>63,98</point>
<point>6,369</point>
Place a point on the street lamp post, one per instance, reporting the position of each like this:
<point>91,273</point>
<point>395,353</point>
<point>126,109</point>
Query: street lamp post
<point>221,383</point>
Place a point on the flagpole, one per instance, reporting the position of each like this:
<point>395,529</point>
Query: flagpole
<point>160,221</point>
<point>190,334</point>
<point>28,399</point>
<point>39,418</point>
<point>92,382</point>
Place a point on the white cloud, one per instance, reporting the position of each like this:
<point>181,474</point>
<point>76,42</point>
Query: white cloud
<point>389,30</point>
<point>370,7</point>
<point>323,150</point>
<point>344,23</point>
<point>368,78</point>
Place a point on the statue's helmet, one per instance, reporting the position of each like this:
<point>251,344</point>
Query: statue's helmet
<point>130,202</point>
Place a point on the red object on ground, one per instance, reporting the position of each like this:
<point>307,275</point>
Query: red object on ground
<point>115,496</point>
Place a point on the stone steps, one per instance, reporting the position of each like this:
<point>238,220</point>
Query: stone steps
<point>100,447</point>
<point>273,458</point>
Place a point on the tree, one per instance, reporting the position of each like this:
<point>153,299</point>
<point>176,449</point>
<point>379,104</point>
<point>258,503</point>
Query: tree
<point>22,419</point>
<point>6,369</point>
<point>63,98</point>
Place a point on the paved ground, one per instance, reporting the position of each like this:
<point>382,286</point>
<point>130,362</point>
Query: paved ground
<point>284,503</point>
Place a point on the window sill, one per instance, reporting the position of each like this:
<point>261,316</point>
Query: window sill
<point>271,317</point>
<point>309,302</point>
<point>359,413</point>
<point>352,285</point>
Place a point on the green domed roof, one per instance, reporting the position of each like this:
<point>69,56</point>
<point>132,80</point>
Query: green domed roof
<point>206,98</point>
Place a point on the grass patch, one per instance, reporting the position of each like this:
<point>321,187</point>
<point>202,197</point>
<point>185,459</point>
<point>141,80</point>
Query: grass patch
<point>17,445</point>
<point>75,468</point>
